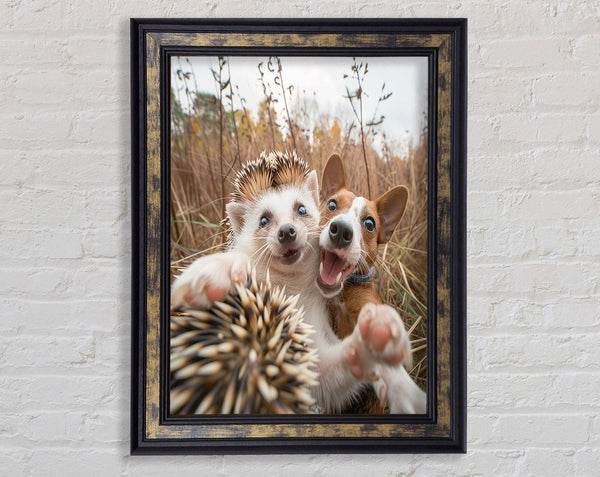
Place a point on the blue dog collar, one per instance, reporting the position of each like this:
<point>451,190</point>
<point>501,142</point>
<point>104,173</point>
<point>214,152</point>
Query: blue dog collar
<point>354,278</point>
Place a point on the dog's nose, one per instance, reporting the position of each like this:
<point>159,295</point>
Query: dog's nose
<point>340,233</point>
<point>287,233</point>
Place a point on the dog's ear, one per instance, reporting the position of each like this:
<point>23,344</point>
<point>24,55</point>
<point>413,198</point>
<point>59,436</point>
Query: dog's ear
<point>390,208</point>
<point>235,213</point>
<point>312,184</point>
<point>334,178</point>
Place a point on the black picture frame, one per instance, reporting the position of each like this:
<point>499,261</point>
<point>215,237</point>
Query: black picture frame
<point>443,427</point>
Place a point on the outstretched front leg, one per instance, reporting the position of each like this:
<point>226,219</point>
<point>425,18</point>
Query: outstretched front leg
<point>385,348</point>
<point>208,280</point>
<point>379,341</point>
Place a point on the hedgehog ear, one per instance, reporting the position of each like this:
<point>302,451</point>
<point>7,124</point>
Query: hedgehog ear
<point>312,184</point>
<point>235,213</point>
<point>334,178</point>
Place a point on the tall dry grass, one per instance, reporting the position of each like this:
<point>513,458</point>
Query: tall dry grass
<point>212,138</point>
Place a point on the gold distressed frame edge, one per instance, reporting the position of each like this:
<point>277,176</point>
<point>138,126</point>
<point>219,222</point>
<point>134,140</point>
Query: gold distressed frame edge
<point>154,427</point>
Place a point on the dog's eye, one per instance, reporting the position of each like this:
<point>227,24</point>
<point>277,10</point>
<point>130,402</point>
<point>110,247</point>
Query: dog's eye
<point>332,205</point>
<point>301,210</point>
<point>264,220</point>
<point>369,223</point>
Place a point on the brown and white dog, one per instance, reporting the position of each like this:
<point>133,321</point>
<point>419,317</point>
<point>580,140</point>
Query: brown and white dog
<point>352,228</point>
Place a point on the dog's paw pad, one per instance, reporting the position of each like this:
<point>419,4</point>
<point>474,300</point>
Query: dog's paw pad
<point>380,336</point>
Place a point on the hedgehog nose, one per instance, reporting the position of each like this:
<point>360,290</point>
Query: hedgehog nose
<point>340,233</point>
<point>287,233</point>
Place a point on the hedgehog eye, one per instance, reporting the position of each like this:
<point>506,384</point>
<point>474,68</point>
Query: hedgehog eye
<point>369,223</point>
<point>301,210</point>
<point>332,205</point>
<point>264,220</point>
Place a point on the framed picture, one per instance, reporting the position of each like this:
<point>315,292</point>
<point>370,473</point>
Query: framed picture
<point>298,194</point>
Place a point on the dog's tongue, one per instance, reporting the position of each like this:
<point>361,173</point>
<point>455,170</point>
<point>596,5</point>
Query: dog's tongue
<point>332,267</point>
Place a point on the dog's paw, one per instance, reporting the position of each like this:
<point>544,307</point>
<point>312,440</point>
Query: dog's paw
<point>379,337</point>
<point>397,389</point>
<point>208,280</point>
<point>384,334</point>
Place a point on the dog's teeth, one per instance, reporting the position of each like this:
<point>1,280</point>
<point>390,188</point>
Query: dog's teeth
<point>320,268</point>
<point>338,277</point>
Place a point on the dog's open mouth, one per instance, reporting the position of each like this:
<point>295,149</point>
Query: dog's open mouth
<point>333,270</point>
<point>290,256</point>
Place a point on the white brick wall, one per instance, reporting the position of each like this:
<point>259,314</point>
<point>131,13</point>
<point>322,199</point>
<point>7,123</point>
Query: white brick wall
<point>534,240</point>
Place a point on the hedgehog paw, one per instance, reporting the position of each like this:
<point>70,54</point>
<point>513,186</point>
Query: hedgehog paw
<point>208,280</point>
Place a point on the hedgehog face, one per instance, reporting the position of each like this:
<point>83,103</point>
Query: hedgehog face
<point>280,227</point>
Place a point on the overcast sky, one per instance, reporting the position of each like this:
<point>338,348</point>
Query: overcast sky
<point>320,80</point>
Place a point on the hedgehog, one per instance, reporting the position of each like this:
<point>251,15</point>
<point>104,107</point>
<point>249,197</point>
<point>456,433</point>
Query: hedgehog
<point>274,169</point>
<point>248,354</point>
